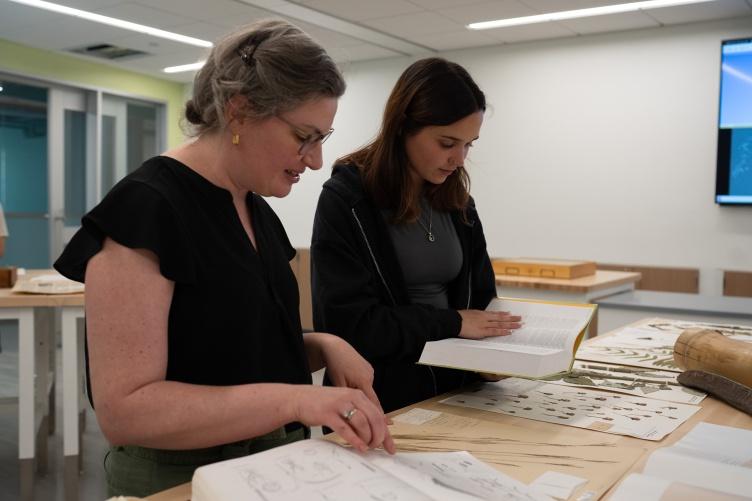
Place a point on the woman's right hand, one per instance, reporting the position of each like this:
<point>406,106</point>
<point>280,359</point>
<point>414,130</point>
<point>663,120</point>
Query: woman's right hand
<point>328,406</point>
<point>479,324</point>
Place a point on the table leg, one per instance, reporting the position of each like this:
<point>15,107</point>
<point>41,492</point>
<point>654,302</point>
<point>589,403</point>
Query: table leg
<point>54,322</point>
<point>82,400</point>
<point>71,391</point>
<point>44,380</point>
<point>26,402</point>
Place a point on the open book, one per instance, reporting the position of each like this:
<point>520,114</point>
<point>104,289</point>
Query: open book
<point>710,462</point>
<point>319,470</point>
<point>546,343</point>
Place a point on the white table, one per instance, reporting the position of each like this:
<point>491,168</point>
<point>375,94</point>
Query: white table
<point>36,383</point>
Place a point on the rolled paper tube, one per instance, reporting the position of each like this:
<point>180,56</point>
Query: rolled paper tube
<point>710,351</point>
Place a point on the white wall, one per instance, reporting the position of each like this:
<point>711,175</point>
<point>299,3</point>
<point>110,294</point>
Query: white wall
<point>597,147</point>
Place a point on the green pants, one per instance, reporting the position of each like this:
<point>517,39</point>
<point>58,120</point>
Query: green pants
<point>140,471</point>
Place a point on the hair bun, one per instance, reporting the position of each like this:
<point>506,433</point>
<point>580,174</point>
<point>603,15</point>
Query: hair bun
<point>192,114</point>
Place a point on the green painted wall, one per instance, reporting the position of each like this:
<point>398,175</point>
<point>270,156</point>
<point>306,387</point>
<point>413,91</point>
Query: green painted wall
<point>44,64</point>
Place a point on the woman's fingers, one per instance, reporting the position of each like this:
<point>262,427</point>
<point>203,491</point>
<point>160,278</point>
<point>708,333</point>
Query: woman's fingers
<point>389,443</point>
<point>500,323</point>
<point>506,317</point>
<point>358,422</point>
<point>344,430</point>
<point>365,420</point>
<point>503,320</point>
<point>376,422</point>
<point>479,324</point>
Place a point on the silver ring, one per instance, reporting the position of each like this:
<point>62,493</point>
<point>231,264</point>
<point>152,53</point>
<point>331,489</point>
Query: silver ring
<point>347,416</point>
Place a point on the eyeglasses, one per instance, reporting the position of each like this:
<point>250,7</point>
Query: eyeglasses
<point>307,141</point>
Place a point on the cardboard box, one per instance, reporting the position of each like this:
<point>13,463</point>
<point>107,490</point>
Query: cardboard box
<point>544,268</point>
<point>8,276</point>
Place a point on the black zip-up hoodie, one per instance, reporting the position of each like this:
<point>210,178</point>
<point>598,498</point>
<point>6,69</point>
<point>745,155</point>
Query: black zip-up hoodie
<point>359,291</point>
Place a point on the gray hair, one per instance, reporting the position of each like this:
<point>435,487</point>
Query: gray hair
<point>272,63</point>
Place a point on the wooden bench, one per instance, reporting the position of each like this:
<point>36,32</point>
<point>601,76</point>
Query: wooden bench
<point>737,283</point>
<point>686,280</point>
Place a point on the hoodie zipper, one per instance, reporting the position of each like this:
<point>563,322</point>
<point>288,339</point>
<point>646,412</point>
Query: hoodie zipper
<point>373,257</point>
<point>470,270</point>
<point>388,290</point>
<point>469,286</point>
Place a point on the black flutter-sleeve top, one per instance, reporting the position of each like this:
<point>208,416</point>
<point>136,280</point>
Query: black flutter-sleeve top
<point>234,313</point>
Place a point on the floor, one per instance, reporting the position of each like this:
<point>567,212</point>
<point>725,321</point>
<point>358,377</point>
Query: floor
<point>48,487</point>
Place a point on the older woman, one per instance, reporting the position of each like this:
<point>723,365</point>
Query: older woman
<point>195,350</point>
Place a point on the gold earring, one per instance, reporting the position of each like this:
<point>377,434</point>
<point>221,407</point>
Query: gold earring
<point>236,139</point>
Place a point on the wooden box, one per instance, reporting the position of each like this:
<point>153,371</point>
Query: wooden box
<point>8,276</point>
<point>544,268</point>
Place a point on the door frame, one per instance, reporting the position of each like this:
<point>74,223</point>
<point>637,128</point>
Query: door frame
<point>87,98</point>
<point>59,100</point>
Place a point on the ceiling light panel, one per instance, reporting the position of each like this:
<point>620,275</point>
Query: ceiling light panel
<point>702,12</point>
<point>580,13</point>
<point>361,10</point>
<point>111,21</point>
<point>614,22</point>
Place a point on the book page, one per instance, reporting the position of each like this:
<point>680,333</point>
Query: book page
<point>458,474</point>
<point>315,470</point>
<point>502,344</point>
<point>544,325</point>
<point>319,470</point>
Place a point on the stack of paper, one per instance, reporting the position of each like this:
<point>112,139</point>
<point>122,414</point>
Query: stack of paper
<point>52,283</point>
<point>710,462</point>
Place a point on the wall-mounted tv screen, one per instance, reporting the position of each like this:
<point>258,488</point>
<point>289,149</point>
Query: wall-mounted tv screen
<point>734,168</point>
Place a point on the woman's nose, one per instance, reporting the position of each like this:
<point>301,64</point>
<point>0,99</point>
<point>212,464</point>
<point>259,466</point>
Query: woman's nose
<point>314,158</point>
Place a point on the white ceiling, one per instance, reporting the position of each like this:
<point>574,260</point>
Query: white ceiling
<point>351,30</point>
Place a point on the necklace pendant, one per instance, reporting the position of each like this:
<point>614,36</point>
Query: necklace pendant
<point>430,237</point>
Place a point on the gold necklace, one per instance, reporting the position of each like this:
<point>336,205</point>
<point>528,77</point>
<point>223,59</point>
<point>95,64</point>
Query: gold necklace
<point>429,233</point>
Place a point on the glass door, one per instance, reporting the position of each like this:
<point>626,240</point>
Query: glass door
<point>61,150</point>
<point>73,162</point>
<point>24,173</point>
<point>130,135</point>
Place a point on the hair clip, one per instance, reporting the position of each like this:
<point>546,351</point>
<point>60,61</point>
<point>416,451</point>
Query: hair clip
<point>246,54</point>
<point>248,49</point>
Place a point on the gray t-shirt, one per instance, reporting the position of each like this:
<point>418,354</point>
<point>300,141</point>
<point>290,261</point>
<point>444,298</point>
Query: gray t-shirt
<point>428,267</point>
